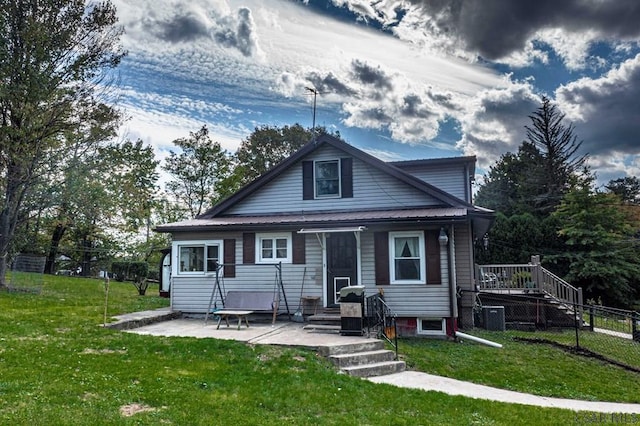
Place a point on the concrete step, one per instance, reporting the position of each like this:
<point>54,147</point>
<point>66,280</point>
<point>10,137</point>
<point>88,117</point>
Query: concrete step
<point>323,327</point>
<point>375,369</point>
<point>368,345</point>
<point>362,358</point>
<point>324,317</point>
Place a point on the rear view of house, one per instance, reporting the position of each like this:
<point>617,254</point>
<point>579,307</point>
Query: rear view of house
<point>332,216</point>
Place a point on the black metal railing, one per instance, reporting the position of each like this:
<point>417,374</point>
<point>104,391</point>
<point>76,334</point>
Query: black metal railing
<point>381,320</point>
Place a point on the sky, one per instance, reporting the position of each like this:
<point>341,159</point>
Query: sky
<point>399,79</point>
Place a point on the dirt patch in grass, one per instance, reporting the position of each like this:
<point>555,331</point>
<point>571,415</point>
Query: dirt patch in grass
<point>89,351</point>
<point>132,409</point>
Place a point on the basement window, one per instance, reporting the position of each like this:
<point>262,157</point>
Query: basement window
<point>432,326</point>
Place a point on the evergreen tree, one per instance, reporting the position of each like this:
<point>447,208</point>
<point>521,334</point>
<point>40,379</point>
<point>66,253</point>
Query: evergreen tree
<point>600,248</point>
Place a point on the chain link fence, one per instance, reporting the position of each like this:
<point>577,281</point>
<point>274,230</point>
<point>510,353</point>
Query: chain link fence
<point>611,335</point>
<point>26,274</point>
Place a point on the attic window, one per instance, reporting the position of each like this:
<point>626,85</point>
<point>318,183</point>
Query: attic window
<point>327,178</point>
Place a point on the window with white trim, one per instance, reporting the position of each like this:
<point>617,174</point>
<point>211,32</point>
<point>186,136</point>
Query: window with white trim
<point>432,326</point>
<point>197,257</point>
<point>407,257</point>
<point>271,248</point>
<point>327,178</point>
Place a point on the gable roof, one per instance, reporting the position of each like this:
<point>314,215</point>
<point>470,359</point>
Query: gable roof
<point>388,168</point>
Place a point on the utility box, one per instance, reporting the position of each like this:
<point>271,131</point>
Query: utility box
<point>351,310</point>
<point>493,317</point>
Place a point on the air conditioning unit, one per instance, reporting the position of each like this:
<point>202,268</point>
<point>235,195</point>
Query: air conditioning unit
<point>494,318</point>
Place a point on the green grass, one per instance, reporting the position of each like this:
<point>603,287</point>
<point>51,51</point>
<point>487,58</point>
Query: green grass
<point>59,367</point>
<point>534,368</point>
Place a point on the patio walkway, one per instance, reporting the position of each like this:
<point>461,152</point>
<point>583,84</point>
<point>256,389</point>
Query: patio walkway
<point>292,334</point>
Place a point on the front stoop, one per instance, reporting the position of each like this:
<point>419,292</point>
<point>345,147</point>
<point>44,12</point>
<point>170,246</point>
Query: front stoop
<point>364,359</point>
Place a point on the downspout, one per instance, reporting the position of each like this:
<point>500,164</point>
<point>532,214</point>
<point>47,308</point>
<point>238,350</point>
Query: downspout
<point>453,307</point>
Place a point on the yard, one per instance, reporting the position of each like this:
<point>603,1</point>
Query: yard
<point>59,367</point>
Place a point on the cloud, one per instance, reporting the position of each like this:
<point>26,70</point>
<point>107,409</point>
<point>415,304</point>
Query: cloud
<point>503,30</point>
<point>183,28</point>
<point>238,33</point>
<point>493,123</point>
<point>605,109</point>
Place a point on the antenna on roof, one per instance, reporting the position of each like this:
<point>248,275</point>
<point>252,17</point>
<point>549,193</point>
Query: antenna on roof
<point>315,95</point>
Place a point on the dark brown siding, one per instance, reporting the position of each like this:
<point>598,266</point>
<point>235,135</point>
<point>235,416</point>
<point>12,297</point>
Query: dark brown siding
<point>298,241</point>
<point>381,253</point>
<point>433,256</point>
<point>249,248</point>
<point>346,172</point>
<point>229,258</point>
<point>307,180</point>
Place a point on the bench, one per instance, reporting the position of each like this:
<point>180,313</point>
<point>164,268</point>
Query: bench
<point>241,304</point>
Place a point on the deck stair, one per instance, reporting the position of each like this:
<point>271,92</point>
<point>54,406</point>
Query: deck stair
<point>366,359</point>
<point>530,294</point>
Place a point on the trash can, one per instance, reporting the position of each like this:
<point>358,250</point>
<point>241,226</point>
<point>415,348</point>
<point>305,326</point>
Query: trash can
<point>351,310</point>
<point>494,318</point>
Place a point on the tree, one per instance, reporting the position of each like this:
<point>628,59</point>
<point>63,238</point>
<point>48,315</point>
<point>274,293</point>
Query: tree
<point>130,176</point>
<point>546,167</point>
<point>515,238</point>
<point>268,146</point>
<point>510,186</point>
<point>198,171</point>
<point>54,58</point>
<point>627,188</point>
<point>600,248</point>
<point>559,148</point>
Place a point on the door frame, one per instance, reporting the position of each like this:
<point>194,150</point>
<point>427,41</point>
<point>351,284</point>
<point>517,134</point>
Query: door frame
<point>325,272</point>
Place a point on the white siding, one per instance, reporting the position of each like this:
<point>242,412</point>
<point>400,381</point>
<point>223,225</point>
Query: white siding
<point>449,178</point>
<point>192,294</point>
<point>420,300</point>
<point>372,189</point>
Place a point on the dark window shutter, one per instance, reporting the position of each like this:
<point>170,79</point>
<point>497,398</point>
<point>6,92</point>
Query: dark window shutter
<point>433,256</point>
<point>381,256</point>
<point>249,248</point>
<point>307,180</point>
<point>298,242</point>
<point>229,258</point>
<point>346,177</point>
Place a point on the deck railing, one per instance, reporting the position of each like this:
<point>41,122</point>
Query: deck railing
<point>528,278</point>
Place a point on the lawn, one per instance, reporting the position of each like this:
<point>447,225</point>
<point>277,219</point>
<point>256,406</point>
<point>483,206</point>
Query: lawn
<point>59,367</point>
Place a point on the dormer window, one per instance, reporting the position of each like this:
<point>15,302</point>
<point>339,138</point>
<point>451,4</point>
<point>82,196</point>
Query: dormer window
<point>327,178</point>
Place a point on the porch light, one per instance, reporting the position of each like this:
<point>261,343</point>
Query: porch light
<point>442,238</point>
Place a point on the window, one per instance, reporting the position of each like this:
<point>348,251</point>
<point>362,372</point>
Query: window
<point>197,257</point>
<point>327,178</point>
<point>407,257</point>
<point>272,248</point>
<point>432,326</point>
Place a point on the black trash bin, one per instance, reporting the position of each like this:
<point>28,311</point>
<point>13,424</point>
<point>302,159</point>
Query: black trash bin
<point>352,310</point>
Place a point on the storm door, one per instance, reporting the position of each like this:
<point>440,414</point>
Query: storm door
<point>342,264</point>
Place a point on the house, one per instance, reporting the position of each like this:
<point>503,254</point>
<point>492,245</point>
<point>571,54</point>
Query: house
<point>332,216</point>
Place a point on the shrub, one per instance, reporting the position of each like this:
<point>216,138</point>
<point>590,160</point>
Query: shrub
<point>136,272</point>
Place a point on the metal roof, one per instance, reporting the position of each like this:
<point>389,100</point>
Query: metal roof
<point>317,218</point>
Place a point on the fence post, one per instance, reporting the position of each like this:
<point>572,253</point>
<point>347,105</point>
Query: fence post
<point>575,313</point>
<point>591,317</point>
<point>635,319</point>
<point>581,305</point>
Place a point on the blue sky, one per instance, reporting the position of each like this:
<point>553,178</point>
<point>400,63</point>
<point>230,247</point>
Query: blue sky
<point>398,79</point>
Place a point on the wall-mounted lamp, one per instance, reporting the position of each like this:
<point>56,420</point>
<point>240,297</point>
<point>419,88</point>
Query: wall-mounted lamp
<point>442,238</point>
